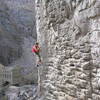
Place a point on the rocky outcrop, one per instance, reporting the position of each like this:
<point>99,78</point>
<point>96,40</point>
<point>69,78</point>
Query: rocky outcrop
<point>69,34</point>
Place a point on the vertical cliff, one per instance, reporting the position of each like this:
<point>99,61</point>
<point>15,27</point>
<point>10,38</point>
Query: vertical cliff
<point>69,34</point>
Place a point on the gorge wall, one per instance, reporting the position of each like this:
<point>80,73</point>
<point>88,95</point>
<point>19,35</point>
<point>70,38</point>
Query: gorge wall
<point>17,35</point>
<point>17,32</point>
<point>69,34</point>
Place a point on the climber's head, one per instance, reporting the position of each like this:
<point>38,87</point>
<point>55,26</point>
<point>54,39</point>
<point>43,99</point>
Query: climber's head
<point>36,43</point>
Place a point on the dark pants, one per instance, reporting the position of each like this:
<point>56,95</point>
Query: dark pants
<point>38,54</point>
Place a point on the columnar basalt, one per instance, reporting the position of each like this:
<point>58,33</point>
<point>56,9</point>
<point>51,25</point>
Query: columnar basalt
<point>69,34</point>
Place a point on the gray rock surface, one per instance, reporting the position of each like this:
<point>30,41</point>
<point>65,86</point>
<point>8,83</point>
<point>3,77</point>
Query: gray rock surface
<point>26,92</point>
<point>17,32</point>
<point>69,34</point>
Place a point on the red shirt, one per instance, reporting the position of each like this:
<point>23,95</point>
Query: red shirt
<point>35,49</point>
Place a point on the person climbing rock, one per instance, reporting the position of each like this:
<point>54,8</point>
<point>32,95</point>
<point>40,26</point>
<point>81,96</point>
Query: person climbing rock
<point>36,50</point>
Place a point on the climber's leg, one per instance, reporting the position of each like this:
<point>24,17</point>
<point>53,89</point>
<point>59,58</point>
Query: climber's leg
<point>39,62</point>
<point>39,57</point>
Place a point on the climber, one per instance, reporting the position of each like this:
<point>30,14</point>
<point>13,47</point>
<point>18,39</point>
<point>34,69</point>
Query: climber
<point>36,50</point>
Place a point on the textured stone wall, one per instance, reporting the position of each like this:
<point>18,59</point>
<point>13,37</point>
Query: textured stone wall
<point>69,34</point>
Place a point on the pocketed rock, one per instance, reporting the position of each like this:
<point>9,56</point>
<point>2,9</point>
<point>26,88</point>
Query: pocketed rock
<point>72,28</point>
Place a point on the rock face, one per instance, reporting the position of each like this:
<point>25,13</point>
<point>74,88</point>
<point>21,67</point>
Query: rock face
<point>69,34</point>
<point>17,31</point>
